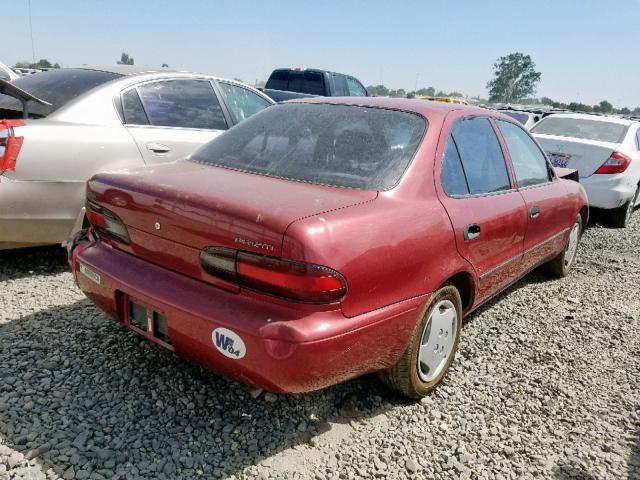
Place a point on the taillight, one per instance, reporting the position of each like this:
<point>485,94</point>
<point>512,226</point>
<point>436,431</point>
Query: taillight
<point>105,221</point>
<point>299,281</point>
<point>616,163</point>
<point>10,145</point>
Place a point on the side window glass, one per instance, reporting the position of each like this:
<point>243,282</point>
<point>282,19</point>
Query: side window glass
<point>638,138</point>
<point>481,156</point>
<point>182,103</point>
<point>452,176</point>
<point>132,108</point>
<point>355,88</point>
<point>242,102</point>
<point>340,85</point>
<point>529,163</point>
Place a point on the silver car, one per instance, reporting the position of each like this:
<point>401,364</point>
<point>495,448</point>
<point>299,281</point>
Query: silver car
<point>58,128</point>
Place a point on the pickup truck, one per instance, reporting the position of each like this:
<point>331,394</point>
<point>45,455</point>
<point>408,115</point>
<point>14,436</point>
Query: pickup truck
<point>287,83</point>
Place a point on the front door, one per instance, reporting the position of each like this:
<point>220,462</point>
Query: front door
<point>549,216</point>
<point>488,215</point>
<point>170,119</point>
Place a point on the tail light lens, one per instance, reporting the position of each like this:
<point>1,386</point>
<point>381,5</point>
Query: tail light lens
<point>298,281</point>
<point>106,222</point>
<point>616,163</point>
<point>10,145</point>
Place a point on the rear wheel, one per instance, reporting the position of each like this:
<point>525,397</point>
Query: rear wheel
<point>432,347</point>
<point>561,265</point>
<point>621,216</point>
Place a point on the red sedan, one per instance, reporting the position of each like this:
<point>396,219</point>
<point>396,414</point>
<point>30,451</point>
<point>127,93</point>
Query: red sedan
<point>324,239</point>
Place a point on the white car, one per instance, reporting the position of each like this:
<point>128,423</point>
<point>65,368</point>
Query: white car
<point>60,127</point>
<point>526,118</point>
<point>605,151</point>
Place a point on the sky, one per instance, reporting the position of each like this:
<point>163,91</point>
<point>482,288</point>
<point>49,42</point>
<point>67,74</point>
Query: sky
<point>587,50</point>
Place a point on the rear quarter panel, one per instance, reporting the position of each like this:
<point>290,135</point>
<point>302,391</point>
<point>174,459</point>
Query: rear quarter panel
<point>397,246</point>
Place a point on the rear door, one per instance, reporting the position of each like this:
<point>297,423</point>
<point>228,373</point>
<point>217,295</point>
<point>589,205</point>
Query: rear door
<point>549,206</point>
<point>487,213</point>
<point>170,119</point>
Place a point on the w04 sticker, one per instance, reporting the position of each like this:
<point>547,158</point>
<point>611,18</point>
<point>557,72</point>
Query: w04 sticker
<point>228,343</point>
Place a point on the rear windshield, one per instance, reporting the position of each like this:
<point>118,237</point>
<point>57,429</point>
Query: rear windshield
<point>57,87</point>
<point>338,145</point>
<point>520,117</point>
<point>582,128</point>
<point>308,82</point>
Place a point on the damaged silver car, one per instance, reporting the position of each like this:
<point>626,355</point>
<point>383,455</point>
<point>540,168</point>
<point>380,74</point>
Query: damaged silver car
<point>59,127</point>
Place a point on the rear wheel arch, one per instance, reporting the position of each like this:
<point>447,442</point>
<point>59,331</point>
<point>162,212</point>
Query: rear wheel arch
<point>464,283</point>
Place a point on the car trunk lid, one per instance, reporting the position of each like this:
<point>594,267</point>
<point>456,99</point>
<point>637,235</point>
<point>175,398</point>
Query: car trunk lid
<point>192,205</point>
<point>586,156</point>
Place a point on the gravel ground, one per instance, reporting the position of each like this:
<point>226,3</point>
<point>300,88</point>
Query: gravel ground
<point>546,385</point>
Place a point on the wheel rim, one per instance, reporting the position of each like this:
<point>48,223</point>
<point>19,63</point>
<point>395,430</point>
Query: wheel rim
<point>572,246</point>
<point>438,339</point>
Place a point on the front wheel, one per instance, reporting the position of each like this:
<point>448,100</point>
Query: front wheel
<point>432,347</point>
<point>561,265</point>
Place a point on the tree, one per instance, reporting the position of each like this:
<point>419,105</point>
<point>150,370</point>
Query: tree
<point>605,107</point>
<point>125,59</point>
<point>625,111</point>
<point>42,63</point>
<point>515,78</point>
<point>378,90</point>
<point>429,92</point>
<point>636,111</point>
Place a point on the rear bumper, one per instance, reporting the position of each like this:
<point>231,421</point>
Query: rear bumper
<point>608,191</point>
<point>290,347</point>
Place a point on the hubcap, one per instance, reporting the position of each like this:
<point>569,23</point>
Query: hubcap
<point>437,340</point>
<point>572,246</point>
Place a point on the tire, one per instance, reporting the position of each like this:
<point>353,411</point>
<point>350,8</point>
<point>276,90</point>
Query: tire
<point>411,377</point>
<point>560,266</point>
<point>620,216</point>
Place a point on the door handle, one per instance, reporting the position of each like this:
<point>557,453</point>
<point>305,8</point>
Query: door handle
<point>534,212</point>
<point>471,231</point>
<point>158,148</point>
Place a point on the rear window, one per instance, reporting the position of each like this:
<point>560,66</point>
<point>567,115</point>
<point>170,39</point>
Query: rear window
<point>520,117</point>
<point>582,128</point>
<point>57,87</point>
<point>309,82</point>
<point>337,145</point>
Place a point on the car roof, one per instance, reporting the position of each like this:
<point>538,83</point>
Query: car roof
<point>595,117</point>
<point>126,70</point>
<point>425,108</point>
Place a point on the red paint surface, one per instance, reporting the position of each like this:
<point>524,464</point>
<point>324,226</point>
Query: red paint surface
<point>393,248</point>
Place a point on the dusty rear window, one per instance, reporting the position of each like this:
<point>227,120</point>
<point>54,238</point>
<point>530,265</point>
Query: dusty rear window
<point>57,87</point>
<point>582,128</point>
<point>338,145</point>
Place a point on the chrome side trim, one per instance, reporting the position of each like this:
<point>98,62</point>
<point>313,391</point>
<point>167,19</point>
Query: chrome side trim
<point>499,267</point>
<point>504,264</point>
<point>544,242</point>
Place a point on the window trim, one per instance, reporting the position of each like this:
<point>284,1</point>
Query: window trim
<point>507,161</point>
<point>120,108</point>
<point>550,169</point>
